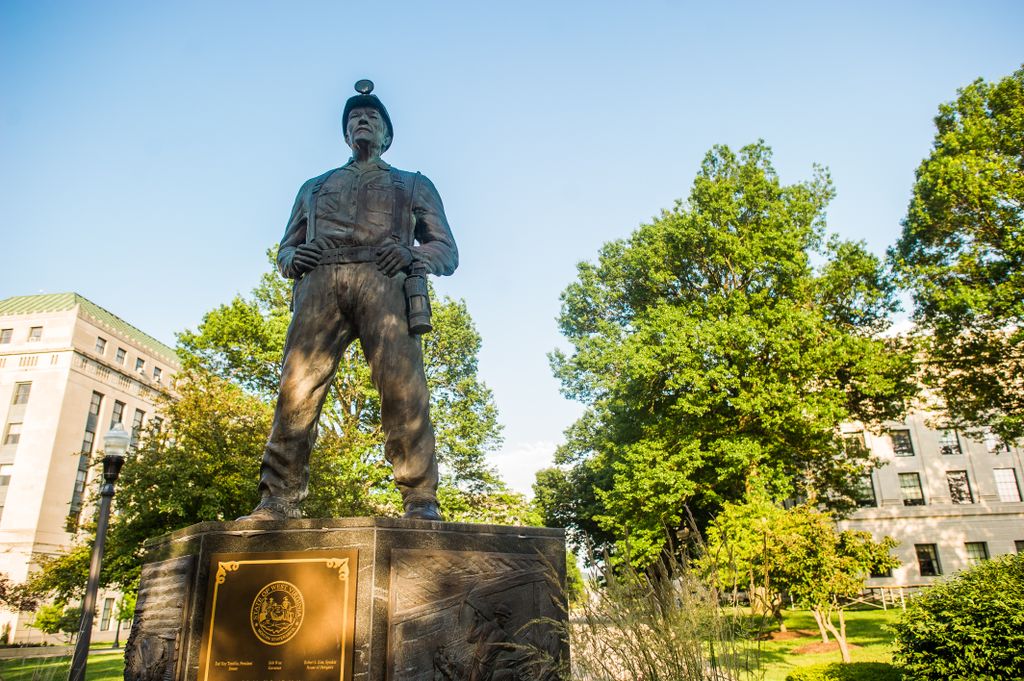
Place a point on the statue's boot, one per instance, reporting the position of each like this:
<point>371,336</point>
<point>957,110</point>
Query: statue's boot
<point>422,509</point>
<point>270,508</point>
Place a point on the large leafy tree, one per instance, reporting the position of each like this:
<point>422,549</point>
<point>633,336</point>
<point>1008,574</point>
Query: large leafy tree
<point>709,348</point>
<point>961,253</point>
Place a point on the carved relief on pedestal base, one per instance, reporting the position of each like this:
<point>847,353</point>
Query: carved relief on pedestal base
<point>472,616</point>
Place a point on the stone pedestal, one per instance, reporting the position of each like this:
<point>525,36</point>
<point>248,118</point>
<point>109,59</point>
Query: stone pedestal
<point>432,601</point>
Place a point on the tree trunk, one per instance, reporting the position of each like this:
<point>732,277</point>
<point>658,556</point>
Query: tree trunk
<point>777,605</point>
<point>821,624</point>
<point>840,635</point>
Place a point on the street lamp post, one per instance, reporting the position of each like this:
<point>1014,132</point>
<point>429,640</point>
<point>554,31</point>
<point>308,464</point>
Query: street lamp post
<point>115,444</point>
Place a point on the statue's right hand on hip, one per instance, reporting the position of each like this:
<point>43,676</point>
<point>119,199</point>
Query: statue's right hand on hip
<point>307,256</point>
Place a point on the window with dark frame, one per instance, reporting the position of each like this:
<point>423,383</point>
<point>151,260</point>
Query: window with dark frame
<point>88,440</point>
<point>1007,484</point>
<point>949,443</point>
<point>136,427</point>
<point>117,414</point>
<point>866,492</point>
<point>928,560</point>
<point>13,434</point>
<point>910,488</point>
<point>120,355</point>
<point>977,552</point>
<point>108,610</point>
<point>21,393</point>
<point>902,445</point>
<point>140,365</point>
<point>1019,545</point>
<point>959,487</point>
<point>101,345</point>
<point>6,335</point>
<point>157,373</point>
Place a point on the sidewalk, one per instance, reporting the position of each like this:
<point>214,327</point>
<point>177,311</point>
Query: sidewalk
<point>50,651</point>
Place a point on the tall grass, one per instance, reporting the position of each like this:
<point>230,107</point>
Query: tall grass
<point>663,623</point>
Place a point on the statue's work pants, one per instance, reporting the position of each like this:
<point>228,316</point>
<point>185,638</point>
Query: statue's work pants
<point>334,305</point>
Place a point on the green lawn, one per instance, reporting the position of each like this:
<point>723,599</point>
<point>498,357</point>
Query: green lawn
<point>864,629</point>
<point>107,667</point>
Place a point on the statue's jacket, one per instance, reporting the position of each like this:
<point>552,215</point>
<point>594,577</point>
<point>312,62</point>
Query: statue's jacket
<point>355,207</point>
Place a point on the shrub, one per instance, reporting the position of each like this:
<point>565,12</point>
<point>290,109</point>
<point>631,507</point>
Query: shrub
<point>853,671</point>
<point>970,626</point>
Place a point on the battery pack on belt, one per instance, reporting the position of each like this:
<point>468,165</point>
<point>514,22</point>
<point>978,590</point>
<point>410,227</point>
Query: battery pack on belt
<point>348,254</point>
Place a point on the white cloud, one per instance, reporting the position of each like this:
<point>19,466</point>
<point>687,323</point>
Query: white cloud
<point>518,462</point>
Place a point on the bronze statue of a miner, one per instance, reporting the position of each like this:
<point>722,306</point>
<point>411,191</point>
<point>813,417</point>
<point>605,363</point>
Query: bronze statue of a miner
<point>359,243</point>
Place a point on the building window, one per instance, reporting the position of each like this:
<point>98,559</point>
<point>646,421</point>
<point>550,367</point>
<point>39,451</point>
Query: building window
<point>13,434</point>
<point>120,355</point>
<point>108,609</point>
<point>865,492</point>
<point>1007,484</point>
<point>1019,545</point>
<point>959,487</point>
<point>994,444</point>
<point>77,494</point>
<point>21,391</point>
<point>95,404</point>
<point>5,474</point>
<point>117,415</point>
<point>6,335</point>
<point>928,560</point>
<point>35,333</point>
<point>140,365</point>
<point>101,345</point>
<point>854,442</point>
<point>136,427</point>
<point>949,443</point>
<point>901,443</point>
<point>977,551</point>
<point>910,487</point>
<point>87,441</point>
<point>157,373</point>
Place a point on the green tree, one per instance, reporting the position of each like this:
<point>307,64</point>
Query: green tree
<point>709,349</point>
<point>961,253</point>
<point>825,569</point>
<point>768,550</point>
<point>63,576</point>
<point>742,546</point>
<point>57,619</point>
<point>17,597</point>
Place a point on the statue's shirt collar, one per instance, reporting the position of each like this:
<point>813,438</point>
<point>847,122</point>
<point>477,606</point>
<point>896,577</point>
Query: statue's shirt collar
<point>378,164</point>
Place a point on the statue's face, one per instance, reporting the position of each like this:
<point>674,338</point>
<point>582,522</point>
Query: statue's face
<point>365,125</point>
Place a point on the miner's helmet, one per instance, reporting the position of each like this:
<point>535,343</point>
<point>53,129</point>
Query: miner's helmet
<point>364,87</point>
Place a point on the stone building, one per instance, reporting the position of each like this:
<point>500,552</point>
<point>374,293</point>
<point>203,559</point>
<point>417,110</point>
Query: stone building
<point>69,370</point>
<point>949,500</point>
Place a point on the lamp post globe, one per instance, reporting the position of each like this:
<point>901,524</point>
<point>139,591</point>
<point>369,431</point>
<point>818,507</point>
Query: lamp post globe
<point>115,445</point>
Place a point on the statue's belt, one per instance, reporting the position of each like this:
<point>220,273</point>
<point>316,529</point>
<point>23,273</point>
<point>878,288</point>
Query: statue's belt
<point>349,254</point>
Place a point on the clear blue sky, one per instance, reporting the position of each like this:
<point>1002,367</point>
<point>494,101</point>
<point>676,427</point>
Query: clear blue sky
<point>151,151</point>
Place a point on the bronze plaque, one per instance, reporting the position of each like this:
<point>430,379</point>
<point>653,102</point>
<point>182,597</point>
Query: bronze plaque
<point>279,616</point>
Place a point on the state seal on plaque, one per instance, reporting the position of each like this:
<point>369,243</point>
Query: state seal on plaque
<point>276,612</point>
